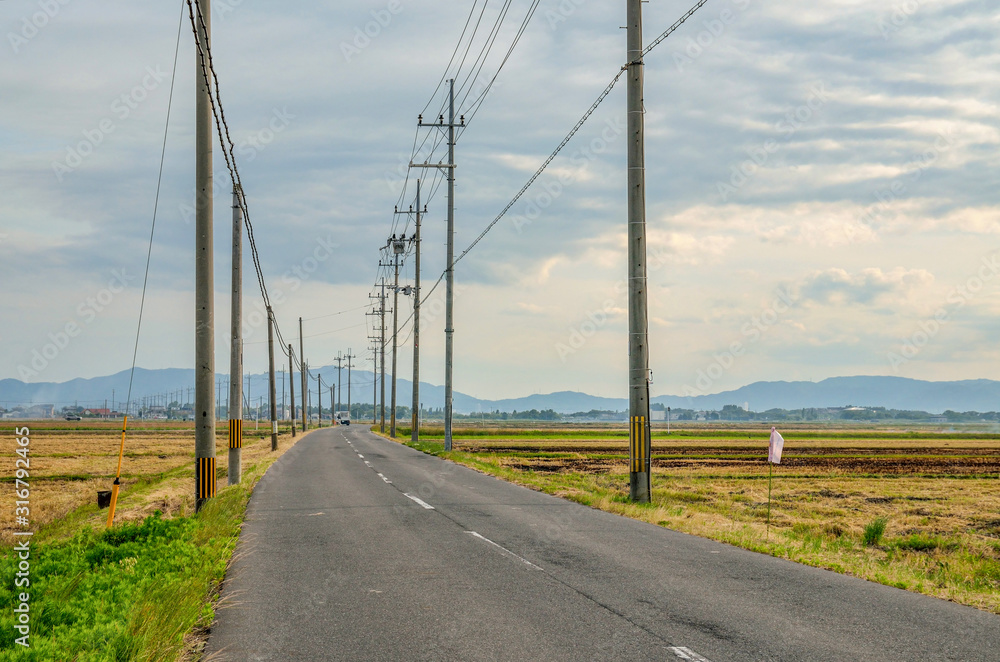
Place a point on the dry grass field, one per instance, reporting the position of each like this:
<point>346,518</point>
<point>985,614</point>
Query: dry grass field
<point>914,508</point>
<point>71,460</point>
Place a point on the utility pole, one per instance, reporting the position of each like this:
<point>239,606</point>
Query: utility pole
<point>398,247</point>
<point>449,321</point>
<point>204,317</point>
<point>349,357</point>
<point>319,401</point>
<point>375,339</point>
<point>415,413</point>
<point>305,388</point>
<point>291,385</point>
<point>415,291</point>
<point>340,388</point>
<point>333,413</point>
<point>374,382</point>
<point>272,380</point>
<point>236,348</point>
<point>382,352</point>
<point>638,346</point>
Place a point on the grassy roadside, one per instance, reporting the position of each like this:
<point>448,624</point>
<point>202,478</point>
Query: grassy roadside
<point>909,532</point>
<point>143,590</point>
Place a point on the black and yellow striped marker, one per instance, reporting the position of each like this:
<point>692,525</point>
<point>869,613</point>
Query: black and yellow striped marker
<point>205,480</point>
<point>637,444</point>
<point>236,433</point>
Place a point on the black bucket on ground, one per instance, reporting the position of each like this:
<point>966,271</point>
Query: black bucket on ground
<point>103,498</point>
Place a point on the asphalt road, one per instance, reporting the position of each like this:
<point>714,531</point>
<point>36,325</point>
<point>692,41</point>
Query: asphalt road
<point>358,548</point>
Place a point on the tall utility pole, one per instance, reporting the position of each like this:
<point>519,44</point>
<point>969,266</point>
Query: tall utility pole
<point>415,291</point>
<point>319,401</point>
<point>349,357</point>
<point>204,318</point>
<point>340,388</point>
<point>375,339</point>
<point>305,388</point>
<point>449,326</point>
<point>382,352</point>
<point>291,385</point>
<point>272,379</point>
<point>333,412</point>
<point>374,382</point>
<point>638,347</point>
<point>398,247</point>
<point>236,348</point>
<point>415,409</point>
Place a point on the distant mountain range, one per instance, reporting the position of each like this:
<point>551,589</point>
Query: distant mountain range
<point>890,392</point>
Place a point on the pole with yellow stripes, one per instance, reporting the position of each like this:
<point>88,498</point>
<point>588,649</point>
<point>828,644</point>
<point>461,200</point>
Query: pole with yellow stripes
<point>204,319</point>
<point>272,381</point>
<point>638,342</point>
<point>236,348</point>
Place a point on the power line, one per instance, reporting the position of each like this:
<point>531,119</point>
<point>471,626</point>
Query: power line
<point>590,111</point>
<point>486,91</point>
<point>222,128</point>
<point>578,126</point>
<point>156,205</point>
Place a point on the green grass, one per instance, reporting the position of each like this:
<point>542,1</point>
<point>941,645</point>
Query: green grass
<point>129,593</point>
<point>874,531</point>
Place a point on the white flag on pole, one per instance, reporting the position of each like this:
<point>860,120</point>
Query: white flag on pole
<point>774,447</point>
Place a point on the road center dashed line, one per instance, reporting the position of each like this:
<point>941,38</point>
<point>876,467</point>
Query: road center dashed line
<point>389,482</point>
<point>504,550</point>
<point>685,653</point>
<point>419,501</point>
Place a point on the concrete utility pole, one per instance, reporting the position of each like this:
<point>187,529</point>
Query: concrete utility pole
<point>319,401</point>
<point>340,387</point>
<point>305,388</point>
<point>204,317</point>
<point>415,413</point>
<point>382,352</point>
<point>449,326</point>
<point>349,357</point>
<point>236,348</point>
<point>415,291</point>
<point>333,412</point>
<point>291,385</point>
<point>398,248</point>
<point>272,379</point>
<point>374,382</point>
<point>638,345</point>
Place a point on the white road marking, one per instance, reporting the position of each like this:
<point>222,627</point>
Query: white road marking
<point>385,479</point>
<point>361,456</point>
<point>685,653</point>
<point>367,463</point>
<point>504,550</point>
<point>420,501</point>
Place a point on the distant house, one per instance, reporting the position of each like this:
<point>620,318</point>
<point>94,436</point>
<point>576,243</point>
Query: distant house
<point>41,411</point>
<point>104,413</point>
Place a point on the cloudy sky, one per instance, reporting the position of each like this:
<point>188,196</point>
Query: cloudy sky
<point>821,186</point>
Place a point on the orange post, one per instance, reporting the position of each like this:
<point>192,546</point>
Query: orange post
<point>118,473</point>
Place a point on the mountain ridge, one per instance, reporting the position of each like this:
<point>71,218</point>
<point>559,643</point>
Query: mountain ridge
<point>870,391</point>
